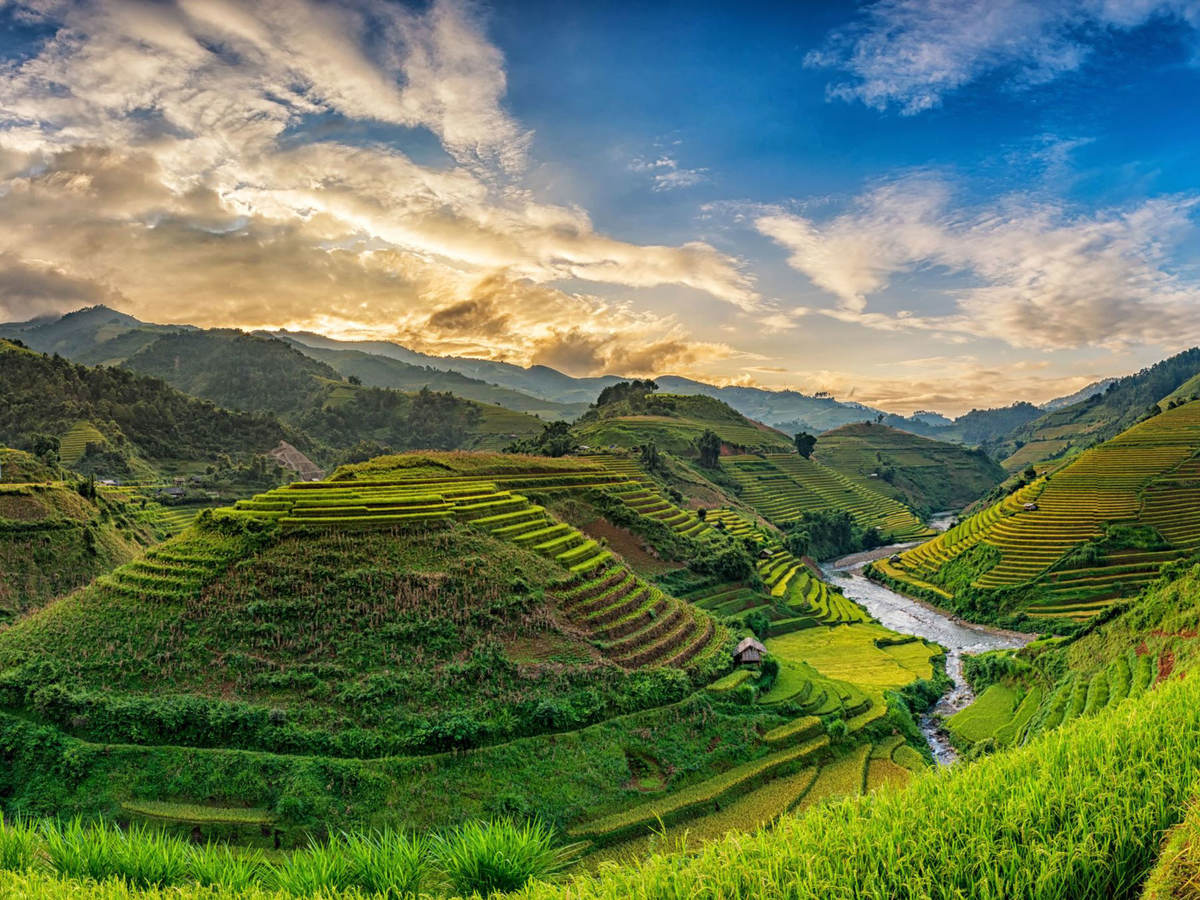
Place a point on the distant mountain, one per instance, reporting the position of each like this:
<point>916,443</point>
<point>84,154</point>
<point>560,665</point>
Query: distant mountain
<point>384,371</point>
<point>537,381</point>
<point>102,335</point>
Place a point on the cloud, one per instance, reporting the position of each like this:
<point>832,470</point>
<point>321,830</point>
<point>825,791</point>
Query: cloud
<point>187,156</point>
<point>950,384</point>
<point>667,175</point>
<point>1036,274</point>
<point>912,53</point>
<point>28,291</point>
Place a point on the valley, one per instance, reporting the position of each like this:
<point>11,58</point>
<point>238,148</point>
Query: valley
<point>653,636</point>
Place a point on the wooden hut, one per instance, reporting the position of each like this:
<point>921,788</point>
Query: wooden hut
<point>749,652</point>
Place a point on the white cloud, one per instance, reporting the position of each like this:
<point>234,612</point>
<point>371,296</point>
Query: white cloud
<point>1038,274</point>
<point>912,53</point>
<point>667,175</point>
<point>176,153</point>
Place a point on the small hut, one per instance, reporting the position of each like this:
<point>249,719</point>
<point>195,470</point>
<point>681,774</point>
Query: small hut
<point>1031,507</point>
<point>749,652</point>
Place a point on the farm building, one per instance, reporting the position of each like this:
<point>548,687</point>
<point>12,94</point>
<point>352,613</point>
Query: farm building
<point>749,652</point>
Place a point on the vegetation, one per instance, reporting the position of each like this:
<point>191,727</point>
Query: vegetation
<point>1067,545</point>
<point>926,475</point>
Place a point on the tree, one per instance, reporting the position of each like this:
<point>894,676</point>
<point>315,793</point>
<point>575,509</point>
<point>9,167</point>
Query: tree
<point>555,439</point>
<point>805,443</point>
<point>355,380</point>
<point>709,447</point>
<point>650,457</point>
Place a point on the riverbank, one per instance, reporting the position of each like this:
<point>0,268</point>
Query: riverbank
<point>907,615</point>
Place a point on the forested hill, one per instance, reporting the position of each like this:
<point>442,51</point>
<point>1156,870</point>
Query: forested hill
<point>1062,432</point>
<point>131,414</point>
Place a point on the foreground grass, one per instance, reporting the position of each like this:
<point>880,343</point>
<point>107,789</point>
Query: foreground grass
<point>1080,812</point>
<point>477,857</point>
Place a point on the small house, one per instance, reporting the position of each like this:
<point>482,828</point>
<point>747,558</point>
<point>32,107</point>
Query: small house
<point>1031,507</point>
<point>894,559</point>
<point>749,652</point>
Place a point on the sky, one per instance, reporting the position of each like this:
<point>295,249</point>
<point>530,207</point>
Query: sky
<point>916,204</point>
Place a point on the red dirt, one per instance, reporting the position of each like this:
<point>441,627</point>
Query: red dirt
<point>629,547</point>
<point>1142,649</point>
<point>1166,665</point>
<point>1188,633</point>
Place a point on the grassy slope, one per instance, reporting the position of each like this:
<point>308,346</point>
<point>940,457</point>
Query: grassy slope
<point>678,426</point>
<point>1146,477</point>
<point>1063,432</point>
<point>52,540</point>
<point>924,474</point>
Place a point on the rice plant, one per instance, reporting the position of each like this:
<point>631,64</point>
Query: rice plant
<point>18,845</point>
<point>389,863</point>
<point>219,865</point>
<point>489,858</point>
<point>78,851</point>
<point>317,870</point>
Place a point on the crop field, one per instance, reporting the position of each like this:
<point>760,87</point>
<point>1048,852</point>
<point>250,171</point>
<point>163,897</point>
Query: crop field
<point>789,582</point>
<point>849,653</point>
<point>1146,476</point>
<point>782,487</point>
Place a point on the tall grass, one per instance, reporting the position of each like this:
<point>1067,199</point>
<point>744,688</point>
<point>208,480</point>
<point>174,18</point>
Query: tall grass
<point>392,865</point>
<point>488,858</point>
<point>18,845</point>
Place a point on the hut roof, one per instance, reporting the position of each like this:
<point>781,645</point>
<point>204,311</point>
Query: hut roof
<point>747,643</point>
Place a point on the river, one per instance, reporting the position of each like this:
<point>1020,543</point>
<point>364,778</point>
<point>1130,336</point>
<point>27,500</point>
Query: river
<point>908,616</point>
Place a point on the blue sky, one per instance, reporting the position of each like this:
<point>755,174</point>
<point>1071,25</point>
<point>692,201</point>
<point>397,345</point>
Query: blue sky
<point>913,203</point>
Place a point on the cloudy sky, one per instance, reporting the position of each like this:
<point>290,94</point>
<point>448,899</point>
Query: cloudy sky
<point>912,203</point>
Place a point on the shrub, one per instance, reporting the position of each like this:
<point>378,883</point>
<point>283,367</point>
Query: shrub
<point>500,856</point>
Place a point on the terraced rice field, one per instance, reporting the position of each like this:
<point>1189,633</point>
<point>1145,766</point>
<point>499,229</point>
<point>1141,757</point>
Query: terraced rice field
<point>789,582</point>
<point>783,486</point>
<point>867,767</point>
<point>1002,716</point>
<point>74,443</point>
<point>1148,475</point>
<point>633,623</point>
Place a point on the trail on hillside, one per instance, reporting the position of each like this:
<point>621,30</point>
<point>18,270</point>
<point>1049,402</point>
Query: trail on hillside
<point>908,616</point>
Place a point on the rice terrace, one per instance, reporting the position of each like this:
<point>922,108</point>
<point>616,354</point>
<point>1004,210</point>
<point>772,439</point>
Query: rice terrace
<point>500,448</point>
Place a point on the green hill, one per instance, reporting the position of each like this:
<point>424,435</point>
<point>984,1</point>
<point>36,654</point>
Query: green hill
<point>924,474</point>
<point>54,539</point>
<point>672,422</point>
<point>115,422</point>
<point>1069,544</point>
<point>327,650</point>
<point>1063,432</point>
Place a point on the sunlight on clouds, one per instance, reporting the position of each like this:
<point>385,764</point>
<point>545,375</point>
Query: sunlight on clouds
<point>163,153</point>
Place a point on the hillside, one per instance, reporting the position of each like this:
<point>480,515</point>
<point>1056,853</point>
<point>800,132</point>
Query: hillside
<point>1068,545</point>
<point>672,422</point>
<point>115,422</point>
<point>926,475</point>
<point>1063,432</point>
<point>587,692</point>
<point>54,538</point>
<point>783,486</point>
